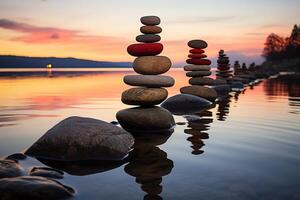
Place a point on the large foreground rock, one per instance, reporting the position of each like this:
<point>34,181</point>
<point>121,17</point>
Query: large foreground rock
<point>182,104</point>
<point>142,120</point>
<point>33,187</point>
<point>10,168</point>
<point>78,138</point>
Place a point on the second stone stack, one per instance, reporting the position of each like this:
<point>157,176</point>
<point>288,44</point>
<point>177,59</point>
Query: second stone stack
<point>199,68</point>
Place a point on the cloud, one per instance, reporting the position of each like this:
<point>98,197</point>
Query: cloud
<point>49,35</point>
<point>193,20</point>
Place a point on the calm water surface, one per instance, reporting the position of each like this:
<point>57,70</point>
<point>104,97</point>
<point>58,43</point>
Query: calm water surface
<point>246,147</point>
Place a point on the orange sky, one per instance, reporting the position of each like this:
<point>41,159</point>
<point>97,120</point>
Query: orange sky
<point>101,30</point>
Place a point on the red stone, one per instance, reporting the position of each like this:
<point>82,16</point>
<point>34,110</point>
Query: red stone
<point>197,61</point>
<point>147,49</point>
<point>223,67</point>
<point>196,51</point>
<point>197,55</point>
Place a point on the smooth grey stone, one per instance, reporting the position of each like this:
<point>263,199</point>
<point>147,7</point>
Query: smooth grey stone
<point>183,104</point>
<point>147,119</point>
<point>200,91</point>
<point>237,86</point>
<point>197,44</point>
<point>198,73</point>
<point>197,68</point>
<point>79,138</point>
<point>150,20</point>
<point>201,81</point>
<point>153,81</point>
<point>148,38</point>
<point>10,168</point>
<point>33,187</point>
<point>46,172</point>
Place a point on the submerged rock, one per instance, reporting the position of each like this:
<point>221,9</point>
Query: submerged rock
<point>78,138</point>
<point>46,172</point>
<point>182,104</point>
<point>33,187</point>
<point>146,119</point>
<point>10,168</point>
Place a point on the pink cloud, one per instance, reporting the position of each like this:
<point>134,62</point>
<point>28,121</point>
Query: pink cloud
<point>47,35</point>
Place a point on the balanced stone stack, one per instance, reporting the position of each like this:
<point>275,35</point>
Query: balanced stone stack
<point>224,71</point>
<point>199,69</point>
<point>149,84</point>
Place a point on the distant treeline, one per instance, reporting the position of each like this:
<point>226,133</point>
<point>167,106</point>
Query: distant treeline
<point>283,53</point>
<point>42,62</point>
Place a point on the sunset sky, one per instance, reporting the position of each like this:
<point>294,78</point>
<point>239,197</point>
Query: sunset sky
<point>101,30</point>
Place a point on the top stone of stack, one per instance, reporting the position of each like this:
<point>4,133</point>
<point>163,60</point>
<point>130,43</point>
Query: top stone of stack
<point>197,44</point>
<point>150,20</point>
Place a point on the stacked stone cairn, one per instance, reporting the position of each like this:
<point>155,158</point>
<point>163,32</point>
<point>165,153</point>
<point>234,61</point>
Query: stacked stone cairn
<point>148,90</point>
<point>224,71</point>
<point>199,69</point>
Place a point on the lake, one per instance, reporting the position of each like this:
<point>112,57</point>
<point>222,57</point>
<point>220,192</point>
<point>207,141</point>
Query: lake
<point>246,147</point>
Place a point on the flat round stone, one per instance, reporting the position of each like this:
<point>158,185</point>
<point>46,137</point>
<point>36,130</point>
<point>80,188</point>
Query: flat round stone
<point>197,51</point>
<point>145,49</point>
<point>197,68</point>
<point>198,73</point>
<point>197,44</point>
<point>198,61</point>
<point>222,61</point>
<point>145,119</point>
<point>200,91</point>
<point>153,81</point>
<point>148,38</point>
<point>150,20</point>
<point>197,55</point>
<point>151,65</point>
<point>150,29</point>
<point>144,96</point>
<point>201,81</point>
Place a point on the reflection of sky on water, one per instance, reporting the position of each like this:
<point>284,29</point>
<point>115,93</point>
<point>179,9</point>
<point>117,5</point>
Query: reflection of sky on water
<point>251,140</point>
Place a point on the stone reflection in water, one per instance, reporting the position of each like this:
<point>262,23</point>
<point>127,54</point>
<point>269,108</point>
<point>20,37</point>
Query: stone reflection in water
<point>197,127</point>
<point>223,108</point>
<point>148,164</point>
<point>83,168</point>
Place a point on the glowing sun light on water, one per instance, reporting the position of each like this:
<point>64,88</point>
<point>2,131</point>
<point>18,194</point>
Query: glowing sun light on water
<point>49,66</point>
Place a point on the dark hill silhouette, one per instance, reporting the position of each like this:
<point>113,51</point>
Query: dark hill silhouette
<point>41,62</point>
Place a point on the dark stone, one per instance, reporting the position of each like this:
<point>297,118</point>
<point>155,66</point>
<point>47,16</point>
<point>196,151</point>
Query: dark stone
<point>182,104</point>
<point>10,168</point>
<point>33,187</point>
<point>150,20</point>
<point>148,38</point>
<point>114,122</point>
<point>47,172</point>
<point>197,44</point>
<point>16,156</point>
<point>78,138</point>
<point>149,119</point>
